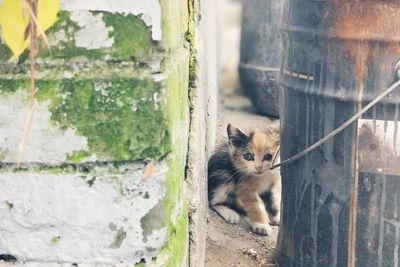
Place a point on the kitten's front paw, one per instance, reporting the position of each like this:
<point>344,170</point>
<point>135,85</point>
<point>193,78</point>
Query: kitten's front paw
<point>261,228</point>
<point>275,219</point>
<point>229,215</point>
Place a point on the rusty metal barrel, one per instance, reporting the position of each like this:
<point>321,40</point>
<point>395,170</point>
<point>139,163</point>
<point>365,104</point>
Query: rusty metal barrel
<point>340,202</point>
<point>260,51</point>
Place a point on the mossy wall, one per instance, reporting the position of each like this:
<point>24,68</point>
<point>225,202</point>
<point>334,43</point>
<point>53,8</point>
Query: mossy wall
<point>110,94</point>
<point>107,93</point>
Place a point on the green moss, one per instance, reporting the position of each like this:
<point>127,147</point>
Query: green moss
<point>192,71</point>
<point>177,244</point>
<point>191,39</point>
<point>174,21</point>
<point>117,116</point>
<point>8,86</point>
<point>59,169</point>
<point>174,209</point>
<point>132,38</point>
<point>19,74</point>
<point>91,181</point>
<point>120,117</point>
<point>50,169</point>
<point>177,93</point>
<point>5,52</point>
<point>178,121</point>
<point>78,156</point>
<point>140,264</point>
<point>46,90</point>
<point>55,240</point>
<point>9,205</point>
<point>65,48</point>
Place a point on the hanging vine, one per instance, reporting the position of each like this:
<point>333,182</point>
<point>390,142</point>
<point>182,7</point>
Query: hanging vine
<point>30,32</point>
<point>21,24</point>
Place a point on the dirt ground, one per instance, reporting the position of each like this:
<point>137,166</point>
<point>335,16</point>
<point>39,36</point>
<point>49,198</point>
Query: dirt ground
<point>235,245</point>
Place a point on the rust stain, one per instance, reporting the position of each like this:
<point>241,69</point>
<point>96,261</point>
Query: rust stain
<point>352,223</point>
<point>361,24</point>
<point>366,20</point>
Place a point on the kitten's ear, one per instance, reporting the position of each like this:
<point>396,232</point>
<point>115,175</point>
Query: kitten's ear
<point>236,137</point>
<point>233,131</point>
<point>275,126</point>
<point>273,131</point>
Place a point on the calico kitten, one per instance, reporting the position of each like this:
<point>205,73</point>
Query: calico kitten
<point>240,182</point>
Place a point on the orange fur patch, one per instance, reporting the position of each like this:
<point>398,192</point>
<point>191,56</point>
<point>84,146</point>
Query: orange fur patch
<point>253,205</point>
<point>260,142</point>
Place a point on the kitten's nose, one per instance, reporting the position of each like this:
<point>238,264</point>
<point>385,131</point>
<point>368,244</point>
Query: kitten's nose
<point>259,168</point>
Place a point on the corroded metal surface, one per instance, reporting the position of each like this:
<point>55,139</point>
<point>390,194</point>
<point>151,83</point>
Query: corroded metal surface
<point>340,201</point>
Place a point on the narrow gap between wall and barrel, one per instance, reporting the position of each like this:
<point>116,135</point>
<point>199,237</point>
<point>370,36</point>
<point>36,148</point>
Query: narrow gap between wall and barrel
<point>236,244</point>
<point>339,130</point>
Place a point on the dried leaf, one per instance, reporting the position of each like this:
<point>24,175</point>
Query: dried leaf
<point>149,170</point>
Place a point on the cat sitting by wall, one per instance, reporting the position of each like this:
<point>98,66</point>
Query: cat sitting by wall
<point>240,181</point>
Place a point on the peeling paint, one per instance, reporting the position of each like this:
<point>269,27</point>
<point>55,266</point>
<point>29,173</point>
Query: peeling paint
<point>149,9</point>
<point>98,111</point>
<point>90,23</point>
<point>60,218</point>
<point>96,213</point>
<point>47,142</point>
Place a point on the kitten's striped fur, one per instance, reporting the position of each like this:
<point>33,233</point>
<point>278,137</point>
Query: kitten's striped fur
<point>240,182</point>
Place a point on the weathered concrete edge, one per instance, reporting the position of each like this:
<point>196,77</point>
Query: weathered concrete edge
<point>203,95</point>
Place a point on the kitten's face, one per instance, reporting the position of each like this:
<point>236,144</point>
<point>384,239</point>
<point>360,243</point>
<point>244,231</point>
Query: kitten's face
<point>252,153</point>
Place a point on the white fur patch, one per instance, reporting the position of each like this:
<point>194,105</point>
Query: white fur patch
<point>227,214</point>
<point>261,228</point>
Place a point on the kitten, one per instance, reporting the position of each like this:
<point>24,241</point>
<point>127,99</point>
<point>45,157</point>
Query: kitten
<point>240,182</point>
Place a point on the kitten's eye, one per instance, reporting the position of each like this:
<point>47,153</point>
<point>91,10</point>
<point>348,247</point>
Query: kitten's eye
<point>267,157</point>
<point>248,157</point>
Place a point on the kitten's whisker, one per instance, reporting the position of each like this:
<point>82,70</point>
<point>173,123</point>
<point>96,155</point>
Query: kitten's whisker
<point>239,172</point>
<point>244,175</point>
<point>244,178</point>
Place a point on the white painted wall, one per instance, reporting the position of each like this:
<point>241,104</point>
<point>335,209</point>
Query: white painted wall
<point>51,217</point>
<point>150,10</point>
<point>47,143</point>
<point>60,216</point>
